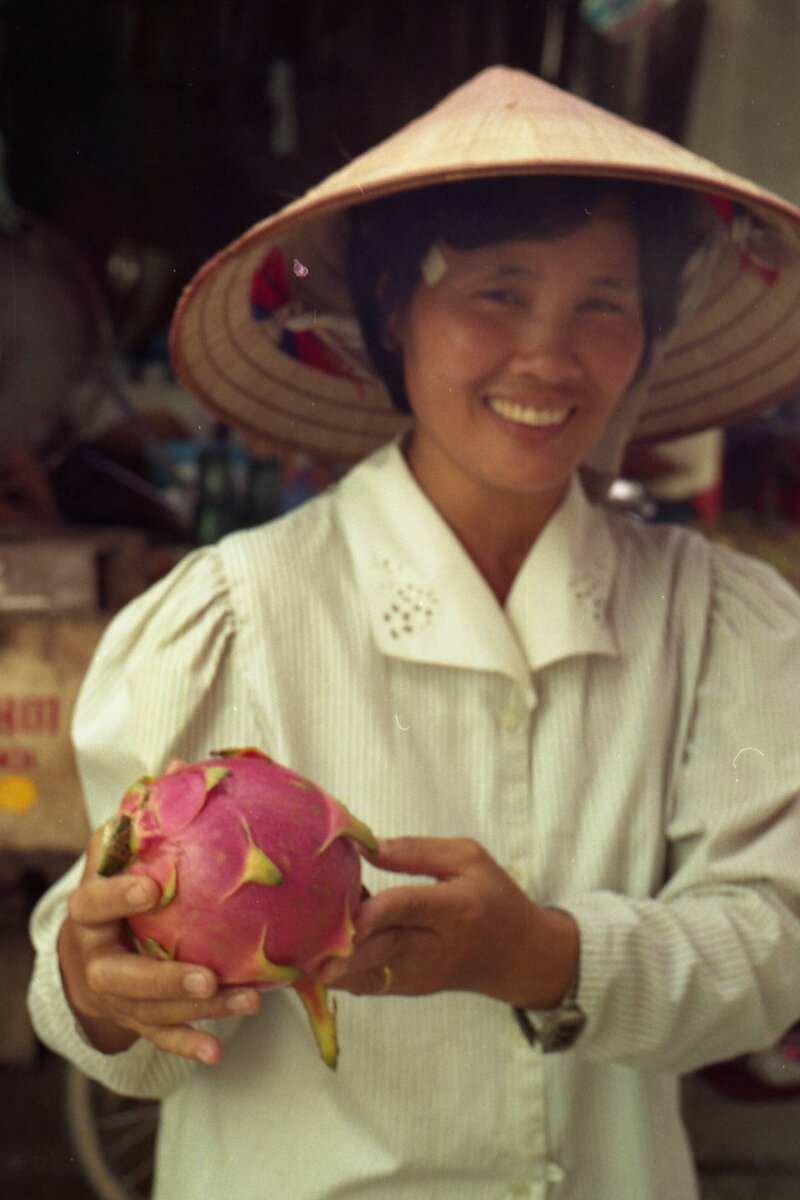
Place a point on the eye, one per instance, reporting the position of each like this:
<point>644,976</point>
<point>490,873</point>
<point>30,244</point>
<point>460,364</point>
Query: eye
<point>503,297</point>
<point>602,304</point>
<point>611,303</point>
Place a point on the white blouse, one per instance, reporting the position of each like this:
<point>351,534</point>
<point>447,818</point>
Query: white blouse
<point>622,737</point>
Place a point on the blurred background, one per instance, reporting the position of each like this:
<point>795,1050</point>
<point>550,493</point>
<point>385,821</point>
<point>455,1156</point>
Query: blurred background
<point>136,138</point>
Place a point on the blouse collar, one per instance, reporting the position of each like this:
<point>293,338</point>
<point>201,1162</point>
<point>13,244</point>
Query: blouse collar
<point>427,601</point>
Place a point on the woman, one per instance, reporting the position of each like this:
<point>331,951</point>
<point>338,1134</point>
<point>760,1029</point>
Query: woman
<point>579,728</point>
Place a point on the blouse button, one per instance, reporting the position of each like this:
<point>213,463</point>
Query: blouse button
<point>511,717</point>
<point>555,1173</point>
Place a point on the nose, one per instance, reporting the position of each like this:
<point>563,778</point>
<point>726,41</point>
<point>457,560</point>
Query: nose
<point>544,350</point>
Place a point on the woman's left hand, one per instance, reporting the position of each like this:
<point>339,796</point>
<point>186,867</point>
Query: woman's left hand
<point>473,929</point>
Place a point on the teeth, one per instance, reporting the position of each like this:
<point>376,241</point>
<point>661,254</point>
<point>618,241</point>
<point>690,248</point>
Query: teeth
<point>526,415</point>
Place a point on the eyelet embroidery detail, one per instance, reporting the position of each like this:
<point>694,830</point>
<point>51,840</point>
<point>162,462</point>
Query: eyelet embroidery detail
<point>591,592</point>
<point>408,607</point>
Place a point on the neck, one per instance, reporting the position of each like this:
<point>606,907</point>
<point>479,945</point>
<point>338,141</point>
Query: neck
<point>497,528</point>
<point>498,543</point>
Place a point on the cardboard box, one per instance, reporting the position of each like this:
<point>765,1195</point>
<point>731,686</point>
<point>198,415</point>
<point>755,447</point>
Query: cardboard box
<point>42,664</point>
<point>57,595</point>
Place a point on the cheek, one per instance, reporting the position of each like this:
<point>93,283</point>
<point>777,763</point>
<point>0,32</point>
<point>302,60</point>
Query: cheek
<point>446,349</point>
<point>616,359</point>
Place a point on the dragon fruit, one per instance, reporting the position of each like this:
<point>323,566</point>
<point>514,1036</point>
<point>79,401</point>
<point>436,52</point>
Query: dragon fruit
<point>259,873</point>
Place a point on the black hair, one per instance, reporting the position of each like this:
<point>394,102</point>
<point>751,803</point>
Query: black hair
<point>389,238</point>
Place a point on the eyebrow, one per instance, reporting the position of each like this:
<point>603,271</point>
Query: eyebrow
<point>620,283</point>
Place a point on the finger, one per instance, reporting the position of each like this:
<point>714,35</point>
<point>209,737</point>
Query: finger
<point>137,977</point>
<point>413,959</point>
<point>148,1014</point>
<point>440,858</point>
<point>369,976</point>
<point>185,1041</point>
<point>98,901</point>
<point>176,764</point>
<point>395,908</point>
<point>377,981</point>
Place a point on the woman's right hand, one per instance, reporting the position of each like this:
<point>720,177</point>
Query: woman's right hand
<point>119,995</point>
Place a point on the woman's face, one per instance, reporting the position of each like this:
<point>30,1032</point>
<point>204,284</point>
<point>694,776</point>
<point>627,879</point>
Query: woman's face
<point>515,358</point>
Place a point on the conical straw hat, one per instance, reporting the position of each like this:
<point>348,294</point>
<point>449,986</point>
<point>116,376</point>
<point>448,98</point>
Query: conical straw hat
<point>737,352</point>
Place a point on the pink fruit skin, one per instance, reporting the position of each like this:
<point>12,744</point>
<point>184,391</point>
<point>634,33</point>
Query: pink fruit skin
<point>259,872</point>
<point>215,918</point>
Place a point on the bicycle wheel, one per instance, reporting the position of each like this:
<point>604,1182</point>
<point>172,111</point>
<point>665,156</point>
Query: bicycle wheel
<point>113,1136</point>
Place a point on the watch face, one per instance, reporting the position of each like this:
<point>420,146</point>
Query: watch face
<point>558,1030</point>
<point>554,1029</point>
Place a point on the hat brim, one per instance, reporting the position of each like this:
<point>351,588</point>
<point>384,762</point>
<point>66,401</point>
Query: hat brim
<point>739,352</point>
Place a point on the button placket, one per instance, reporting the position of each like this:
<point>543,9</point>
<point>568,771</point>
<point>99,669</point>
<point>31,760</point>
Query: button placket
<point>546,1174</point>
<point>515,712</point>
<point>511,717</point>
<point>513,720</point>
<point>554,1173</point>
<point>514,715</point>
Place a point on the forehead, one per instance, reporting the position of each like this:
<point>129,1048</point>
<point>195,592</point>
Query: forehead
<point>605,246</point>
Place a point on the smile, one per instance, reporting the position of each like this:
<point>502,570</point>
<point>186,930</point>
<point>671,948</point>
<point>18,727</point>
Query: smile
<point>525,414</point>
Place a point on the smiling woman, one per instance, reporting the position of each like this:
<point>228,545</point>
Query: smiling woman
<point>510,316</point>
<point>391,237</point>
<point>514,360</point>
<point>533,701</point>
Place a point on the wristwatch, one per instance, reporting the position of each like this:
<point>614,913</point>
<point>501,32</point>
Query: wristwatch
<point>553,1029</point>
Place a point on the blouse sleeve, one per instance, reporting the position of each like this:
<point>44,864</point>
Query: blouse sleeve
<point>710,967</point>
<point>168,680</point>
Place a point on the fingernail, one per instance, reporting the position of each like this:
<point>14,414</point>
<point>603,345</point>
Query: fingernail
<point>136,895</point>
<point>197,984</point>
<point>240,1002</point>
